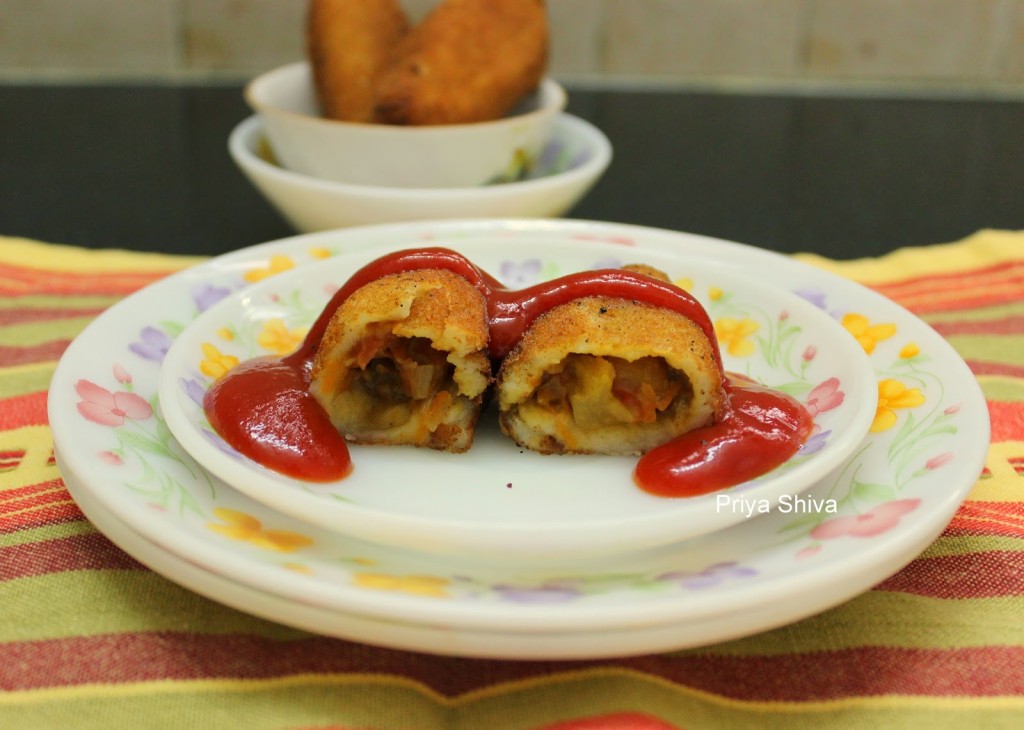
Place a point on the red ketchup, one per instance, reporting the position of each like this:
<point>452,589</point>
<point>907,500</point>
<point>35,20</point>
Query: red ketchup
<point>761,430</point>
<point>264,410</point>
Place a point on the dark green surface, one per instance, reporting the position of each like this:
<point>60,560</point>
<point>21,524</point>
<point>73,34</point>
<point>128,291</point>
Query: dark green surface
<point>146,167</point>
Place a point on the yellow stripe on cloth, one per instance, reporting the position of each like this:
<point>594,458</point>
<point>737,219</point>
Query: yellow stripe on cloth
<point>35,466</point>
<point>1004,484</point>
<point>58,257</point>
<point>986,247</point>
<point>389,701</point>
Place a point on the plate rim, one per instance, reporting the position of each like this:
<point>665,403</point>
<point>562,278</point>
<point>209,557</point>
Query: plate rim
<point>871,560</point>
<point>531,645</point>
<point>450,535</point>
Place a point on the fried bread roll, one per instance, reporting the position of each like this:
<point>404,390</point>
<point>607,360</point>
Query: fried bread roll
<point>404,361</point>
<point>348,43</point>
<point>467,61</point>
<point>604,375</point>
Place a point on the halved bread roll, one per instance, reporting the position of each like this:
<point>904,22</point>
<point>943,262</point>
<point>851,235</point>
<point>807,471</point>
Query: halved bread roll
<point>603,375</point>
<point>404,361</point>
<point>349,43</point>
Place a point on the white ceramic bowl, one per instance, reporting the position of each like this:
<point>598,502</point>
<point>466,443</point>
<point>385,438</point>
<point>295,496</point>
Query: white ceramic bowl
<point>576,155</point>
<point>442,156</point>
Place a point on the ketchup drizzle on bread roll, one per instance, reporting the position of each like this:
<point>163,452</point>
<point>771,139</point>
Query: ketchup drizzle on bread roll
<point>263,407</point>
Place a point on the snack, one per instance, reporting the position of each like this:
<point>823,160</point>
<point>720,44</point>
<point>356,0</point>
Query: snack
<point>467,61</point>
<point>348,43</point>
<point>608,376</point>
<point>403,361</point>
<point>604,361</point>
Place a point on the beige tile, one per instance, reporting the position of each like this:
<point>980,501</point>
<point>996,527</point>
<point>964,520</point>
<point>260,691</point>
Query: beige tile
<point>243,35</point>
<point>577,36</point>
<point>948,40</point>
<point>417,9</point>
<point>576,32</point>
<point>1010,65</point>
<point>678,38</point>
<point>89,35</point>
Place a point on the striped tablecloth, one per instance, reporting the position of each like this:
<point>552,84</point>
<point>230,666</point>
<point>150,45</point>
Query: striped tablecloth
<point>91,638</point>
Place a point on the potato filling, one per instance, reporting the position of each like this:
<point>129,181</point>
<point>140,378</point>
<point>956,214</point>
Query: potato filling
<point>605,391</point>
<point>392,377</point>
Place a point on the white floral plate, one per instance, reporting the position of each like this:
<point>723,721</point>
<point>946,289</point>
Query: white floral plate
<point>499,500</point>
<point>894,495</point>
<point>447,640</point>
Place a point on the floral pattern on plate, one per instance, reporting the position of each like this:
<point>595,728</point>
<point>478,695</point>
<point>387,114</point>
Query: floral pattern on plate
<point>894,494</point>
<point>492,500</point>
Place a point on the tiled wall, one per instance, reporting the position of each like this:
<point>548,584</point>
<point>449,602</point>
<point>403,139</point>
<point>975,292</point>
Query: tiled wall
<point>931,44</point>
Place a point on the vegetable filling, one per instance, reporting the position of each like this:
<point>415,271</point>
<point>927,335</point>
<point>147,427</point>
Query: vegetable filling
<point>605,391</point>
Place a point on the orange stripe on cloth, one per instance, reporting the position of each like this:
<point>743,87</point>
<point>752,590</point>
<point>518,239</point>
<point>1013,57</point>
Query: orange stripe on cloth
<point>59,510</point>
<point>23,410</point>
<point>956,299</point>
<point>28,315</point>
<point>983,671</point>
<point>91,551</point>
<point>17,280</point>
<point>1008,272</point>
<point>1007,420</point>
<point>11,507</point>
<point>10,495</point>
<point>52,514</point>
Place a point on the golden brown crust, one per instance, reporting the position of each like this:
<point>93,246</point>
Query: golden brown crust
<point>647,270</point>
<point>348,42</point>
<point>608,329</point>
<point>430,319</point>
<point>467,61</point>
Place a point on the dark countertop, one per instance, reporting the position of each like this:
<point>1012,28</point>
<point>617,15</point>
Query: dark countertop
<point>146,167</point>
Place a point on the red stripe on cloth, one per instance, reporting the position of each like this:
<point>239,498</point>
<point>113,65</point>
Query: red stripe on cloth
<point>1013,325</point>
<point>1007,419</point>
<point>11,459</point>
<point>28,490</point>
<point>15,280</point>
<point>966,527</point>
<point>1009,272</point>
<point>1013,270</point>
<point>970,527</point>
<point>973,575</point>
<point>994,509</point>
<point>44,352</point>
<point>79,552</point>
<point>613,721</point>
<point>10,506</point>
<point>980,367</point>
<point>959,301</point>
<point>37,314</point>
<point>23,410</point>
<point>1000,519</point>
<point>55,514</point>
<point>870,671</point>
<point>13,510</point>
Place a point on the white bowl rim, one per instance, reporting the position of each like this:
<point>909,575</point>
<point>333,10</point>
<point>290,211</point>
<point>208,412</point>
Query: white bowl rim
<point>553,97</point>
<point>241,139</point>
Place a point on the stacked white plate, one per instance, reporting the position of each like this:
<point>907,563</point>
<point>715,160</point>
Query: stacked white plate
<point>496,552</point>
